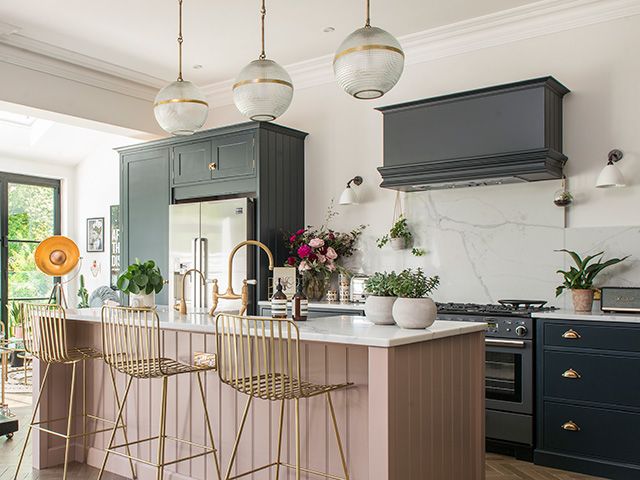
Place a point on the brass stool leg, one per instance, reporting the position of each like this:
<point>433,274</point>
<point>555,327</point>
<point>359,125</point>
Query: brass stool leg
<point>124,427</point>
<point>33,418</point>
<point>297,400</point>
<point>67,442</point>
<point>335,428</point>
<point>85,437</point>
<point>237,442</point>
<point>278,458</point>
<point>208,422</point>
<point>163,429</point>
<point>115,428</point>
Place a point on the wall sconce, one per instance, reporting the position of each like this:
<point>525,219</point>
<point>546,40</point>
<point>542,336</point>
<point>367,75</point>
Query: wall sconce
<point>611,176</point>
<point>349,195</point>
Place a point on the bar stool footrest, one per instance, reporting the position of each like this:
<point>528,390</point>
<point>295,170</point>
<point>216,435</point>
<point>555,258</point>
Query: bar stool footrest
<point>206,450</point>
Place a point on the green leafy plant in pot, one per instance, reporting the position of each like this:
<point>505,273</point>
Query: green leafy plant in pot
<point>141,281</point>
<point>15,320</point>
<point>413,308</point>
<point>378,307</point>
<point>579,278</point>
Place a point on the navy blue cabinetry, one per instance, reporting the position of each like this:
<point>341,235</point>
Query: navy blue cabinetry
<point>589,397</point>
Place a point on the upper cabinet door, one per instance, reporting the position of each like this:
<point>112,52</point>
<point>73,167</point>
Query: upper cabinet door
<point>234,155</point>
<point>192,162</point>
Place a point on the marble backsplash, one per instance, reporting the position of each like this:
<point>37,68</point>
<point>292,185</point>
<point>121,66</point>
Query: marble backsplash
<point>486,248</point>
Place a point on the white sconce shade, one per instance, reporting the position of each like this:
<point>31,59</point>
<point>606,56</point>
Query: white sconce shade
<point>611,176</point>
<point>349,195</point>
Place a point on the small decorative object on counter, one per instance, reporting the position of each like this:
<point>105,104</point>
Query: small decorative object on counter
<point>345,288</point>
<point>378,307</point>
<point>299,305</point>
<point>579,279</point>
<point>563,197</point>
<point>332,295</point>
<point>413,309</point>
<point>141,281</point>
<point>279,302</point>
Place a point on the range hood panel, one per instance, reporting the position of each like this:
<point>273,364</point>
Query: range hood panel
<point>503,134</point>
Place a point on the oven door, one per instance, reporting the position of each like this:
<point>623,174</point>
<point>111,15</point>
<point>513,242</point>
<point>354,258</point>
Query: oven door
<point>509,375</point>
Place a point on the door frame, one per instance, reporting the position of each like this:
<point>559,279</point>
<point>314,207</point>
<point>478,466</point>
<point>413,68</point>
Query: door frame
<point>5,180</point>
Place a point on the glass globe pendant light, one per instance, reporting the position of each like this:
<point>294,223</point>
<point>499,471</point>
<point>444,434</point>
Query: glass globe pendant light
<point>180,107</point>
<point>369,62</point>
<point>263,89</point>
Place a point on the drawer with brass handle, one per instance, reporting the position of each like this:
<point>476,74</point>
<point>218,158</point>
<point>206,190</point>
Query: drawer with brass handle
<point>570,426</point>
<point>594,378</point>
<point>591,336</point>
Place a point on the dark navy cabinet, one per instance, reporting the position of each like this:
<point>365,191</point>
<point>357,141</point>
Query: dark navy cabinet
<point>257,160</point>
<point>589,397</point>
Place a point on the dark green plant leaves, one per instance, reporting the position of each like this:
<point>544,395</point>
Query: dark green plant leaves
<point>584,275</point>
<point>141,278</point>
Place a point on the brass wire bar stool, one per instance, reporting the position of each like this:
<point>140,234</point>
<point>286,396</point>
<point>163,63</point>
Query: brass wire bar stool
<point>132,345</point>
<point>260,357</point>
<point>45,338</point>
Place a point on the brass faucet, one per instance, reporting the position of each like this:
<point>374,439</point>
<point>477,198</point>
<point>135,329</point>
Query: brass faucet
<point>230,294</point>
<point>182,306</point>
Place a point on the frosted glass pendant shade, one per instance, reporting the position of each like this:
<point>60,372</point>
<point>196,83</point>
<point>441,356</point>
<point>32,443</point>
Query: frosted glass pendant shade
<point>368,63</point>
<point>181,108</point>
<point>263,90</point>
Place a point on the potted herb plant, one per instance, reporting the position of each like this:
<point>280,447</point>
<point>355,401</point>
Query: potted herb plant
<point>378,307</point>
<point>15,320</point>
<point>413,309</point>
<point>399,236</point>
<point>141,281</point>
<point>579,278</point>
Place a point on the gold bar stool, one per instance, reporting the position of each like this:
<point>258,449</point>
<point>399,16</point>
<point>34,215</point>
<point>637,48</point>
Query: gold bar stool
<point>131,344</point>
<point>260,357</point>
<point>45,338</point>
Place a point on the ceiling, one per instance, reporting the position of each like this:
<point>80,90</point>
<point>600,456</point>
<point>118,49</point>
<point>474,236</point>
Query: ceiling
<point>221,36</point>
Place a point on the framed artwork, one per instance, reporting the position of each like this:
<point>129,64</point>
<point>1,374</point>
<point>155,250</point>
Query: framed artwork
<point>287,276</point>
<point>115,244</point>
<point>95,234</point>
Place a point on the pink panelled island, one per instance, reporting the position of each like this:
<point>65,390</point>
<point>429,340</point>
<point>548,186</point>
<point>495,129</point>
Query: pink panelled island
<point>415,412</point>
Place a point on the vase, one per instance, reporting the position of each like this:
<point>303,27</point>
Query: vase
<point>137,300</point>
<point>582,299</point>
<point>315,286</point>
<point>379,310</point>
<point>398,243</point>
<point>414,312</point>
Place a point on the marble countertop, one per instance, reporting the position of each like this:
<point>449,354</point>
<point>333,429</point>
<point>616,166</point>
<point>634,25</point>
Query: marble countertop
<point>324,305</point>
<point>595,316</point>
<point>350,330</point>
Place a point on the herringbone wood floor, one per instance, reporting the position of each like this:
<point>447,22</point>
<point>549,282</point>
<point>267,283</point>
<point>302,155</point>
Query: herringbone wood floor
<point>498,467</point>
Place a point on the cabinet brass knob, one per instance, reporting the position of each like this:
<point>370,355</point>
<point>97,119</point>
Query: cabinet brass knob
<point>571,373</point>
<point>571,333</point>
<point>213,166</point>
<point>570,426</point>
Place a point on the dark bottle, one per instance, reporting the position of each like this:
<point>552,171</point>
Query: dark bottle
<point>279,302</point>
<point>299,305</point>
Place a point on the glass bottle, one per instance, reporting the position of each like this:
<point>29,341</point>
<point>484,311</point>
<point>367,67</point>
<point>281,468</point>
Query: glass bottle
<point>299,305</point>
<point>279,303</point>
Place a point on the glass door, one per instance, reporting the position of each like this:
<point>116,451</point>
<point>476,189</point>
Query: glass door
<point>30,213</point>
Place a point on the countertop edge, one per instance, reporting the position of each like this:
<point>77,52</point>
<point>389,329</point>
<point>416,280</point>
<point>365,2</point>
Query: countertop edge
<point>588,317</point>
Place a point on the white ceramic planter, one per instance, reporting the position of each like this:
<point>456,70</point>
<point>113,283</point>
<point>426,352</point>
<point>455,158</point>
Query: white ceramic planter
<point>138,301</point>
<point>379,310</point>
<point>398,243</point>
<point>414,312</point>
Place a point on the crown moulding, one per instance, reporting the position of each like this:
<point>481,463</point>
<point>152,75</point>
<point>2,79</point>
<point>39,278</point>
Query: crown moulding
<point>508,26</point>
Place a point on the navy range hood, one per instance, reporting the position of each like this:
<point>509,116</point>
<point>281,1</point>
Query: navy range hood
<point>503,134</point>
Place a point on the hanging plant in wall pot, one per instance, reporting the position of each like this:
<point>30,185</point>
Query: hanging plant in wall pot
<point>579,278</point>
<point>399,236</point>
<point>378,307</point>
<point>414,309</point>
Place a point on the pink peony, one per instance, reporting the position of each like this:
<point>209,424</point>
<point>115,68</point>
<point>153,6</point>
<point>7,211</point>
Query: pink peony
<point>292,238</point>
<point>300,232</point>
<point>322,258</point>
<point>304,251</point>
<point>331,254</point>
<point>304,266</point>
<point>331,266</point>
<point>316,242</point>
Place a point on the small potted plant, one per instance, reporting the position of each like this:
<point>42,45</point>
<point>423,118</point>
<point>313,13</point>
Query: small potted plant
<point>83,294</point>
<point>15,320</point>
<point>399,236</point>
<point>579,279</point>
<point>141,281</point>
<point>378,307</point>
<point>413,309</point>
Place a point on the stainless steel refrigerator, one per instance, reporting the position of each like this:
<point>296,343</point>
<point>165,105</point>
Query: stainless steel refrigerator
<point>202,236</point>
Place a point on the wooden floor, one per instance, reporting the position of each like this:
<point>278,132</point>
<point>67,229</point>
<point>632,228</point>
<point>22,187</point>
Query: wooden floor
<point>498,467</point>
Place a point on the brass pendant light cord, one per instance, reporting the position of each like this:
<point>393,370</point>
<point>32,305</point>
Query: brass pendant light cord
<point>180,39</point>
<point>263,14</point>
<point>368,18</point>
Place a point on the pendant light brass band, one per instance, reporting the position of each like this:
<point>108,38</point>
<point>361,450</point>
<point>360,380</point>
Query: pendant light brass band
<point>262,80</point>
<point>181,100</point>
<point>367,47</point>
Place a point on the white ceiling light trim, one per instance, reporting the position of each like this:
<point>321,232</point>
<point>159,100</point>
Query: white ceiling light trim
<point>529,21</point>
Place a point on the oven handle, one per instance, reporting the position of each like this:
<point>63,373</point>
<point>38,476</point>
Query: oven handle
<point>494,342</point>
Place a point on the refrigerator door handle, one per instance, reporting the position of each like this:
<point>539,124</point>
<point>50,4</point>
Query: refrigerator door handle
<point>196,264</point>
<point>204,268</point>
